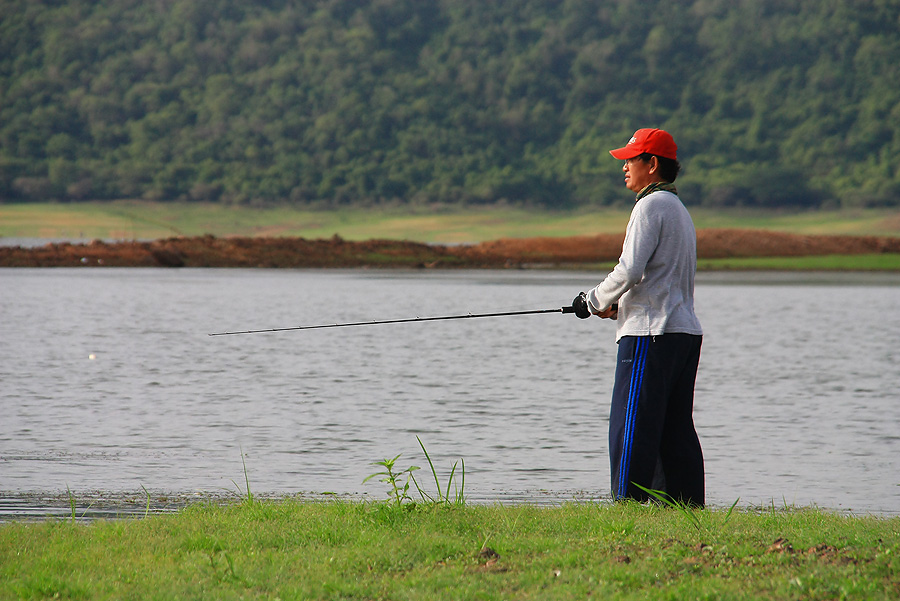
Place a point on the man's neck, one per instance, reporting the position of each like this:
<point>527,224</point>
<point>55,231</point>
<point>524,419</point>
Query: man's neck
<point>655,186</point>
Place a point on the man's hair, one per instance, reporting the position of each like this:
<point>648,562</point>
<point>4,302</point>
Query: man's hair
<point>668,168</point>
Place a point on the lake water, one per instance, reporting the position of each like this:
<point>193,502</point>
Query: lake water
<point>110,382</point>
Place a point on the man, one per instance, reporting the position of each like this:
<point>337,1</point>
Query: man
<point>650,292</point>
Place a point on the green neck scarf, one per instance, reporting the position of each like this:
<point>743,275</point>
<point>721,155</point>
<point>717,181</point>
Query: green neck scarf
<point>650,188</point>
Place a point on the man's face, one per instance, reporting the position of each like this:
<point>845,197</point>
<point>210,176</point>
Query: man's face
<point>638,173</point>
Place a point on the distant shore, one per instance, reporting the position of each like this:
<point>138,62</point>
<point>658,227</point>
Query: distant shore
<point>713,245</point>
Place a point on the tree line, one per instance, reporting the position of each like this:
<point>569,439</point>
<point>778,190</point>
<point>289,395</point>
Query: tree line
<point>371,102</point>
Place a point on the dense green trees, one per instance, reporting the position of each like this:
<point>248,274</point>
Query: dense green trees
<point>773,102</point>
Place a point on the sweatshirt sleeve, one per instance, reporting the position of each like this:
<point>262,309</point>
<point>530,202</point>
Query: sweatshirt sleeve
<point>641,239</point>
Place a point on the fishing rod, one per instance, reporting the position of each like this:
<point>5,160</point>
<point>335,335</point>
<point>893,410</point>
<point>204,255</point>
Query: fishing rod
<point>406,320</point>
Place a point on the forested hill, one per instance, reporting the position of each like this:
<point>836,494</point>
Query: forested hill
<point>330,102</point>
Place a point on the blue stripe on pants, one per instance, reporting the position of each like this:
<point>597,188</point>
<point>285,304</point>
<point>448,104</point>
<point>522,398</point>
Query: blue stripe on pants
<point>634,393</point>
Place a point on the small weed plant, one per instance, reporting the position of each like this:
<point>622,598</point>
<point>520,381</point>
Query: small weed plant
<point>401,481</point>
<point>248,496</point>
<point>398,493</point>
<point>73,505</point>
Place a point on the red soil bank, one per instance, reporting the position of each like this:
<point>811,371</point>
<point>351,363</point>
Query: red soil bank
<point>209,251</point>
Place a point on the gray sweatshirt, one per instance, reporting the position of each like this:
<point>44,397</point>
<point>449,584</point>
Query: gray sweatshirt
<point>654,279</point>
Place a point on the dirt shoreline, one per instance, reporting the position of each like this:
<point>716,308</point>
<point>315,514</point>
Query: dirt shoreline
<point>210,251</point>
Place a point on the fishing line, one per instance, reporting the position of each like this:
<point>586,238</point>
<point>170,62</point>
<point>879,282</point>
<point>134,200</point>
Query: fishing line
<point>393,321</point>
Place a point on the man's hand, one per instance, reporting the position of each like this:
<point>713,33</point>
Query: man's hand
<point>611,313</point>
<point>581,307</point>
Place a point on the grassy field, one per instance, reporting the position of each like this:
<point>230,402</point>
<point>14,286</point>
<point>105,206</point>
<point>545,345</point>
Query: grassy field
<point>352,550</point>
<point>870,262</point>
<point>130,220</point>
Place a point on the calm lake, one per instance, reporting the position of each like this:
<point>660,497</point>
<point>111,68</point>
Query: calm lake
<point>110,382</point>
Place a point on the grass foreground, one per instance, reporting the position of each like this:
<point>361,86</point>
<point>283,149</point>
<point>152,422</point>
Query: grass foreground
<point>290,549</point>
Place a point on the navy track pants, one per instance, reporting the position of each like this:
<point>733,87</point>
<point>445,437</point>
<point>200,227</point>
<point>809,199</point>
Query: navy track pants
<point>652,439</point>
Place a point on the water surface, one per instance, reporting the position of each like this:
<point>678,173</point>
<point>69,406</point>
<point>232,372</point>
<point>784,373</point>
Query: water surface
<point>110,382</point>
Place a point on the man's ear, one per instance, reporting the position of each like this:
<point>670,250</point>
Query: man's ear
<point>654,164</point>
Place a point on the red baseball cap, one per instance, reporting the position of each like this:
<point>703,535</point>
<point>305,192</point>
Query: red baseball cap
<point>653,141</point>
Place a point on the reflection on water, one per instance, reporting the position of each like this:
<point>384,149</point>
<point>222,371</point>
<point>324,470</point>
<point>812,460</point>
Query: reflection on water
<point>111,383</point>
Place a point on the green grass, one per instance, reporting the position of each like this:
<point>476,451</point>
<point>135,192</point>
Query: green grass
<point>145,220</point>
<point>289,549</point>
<point>126,220</point>
<point>869,262</point>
